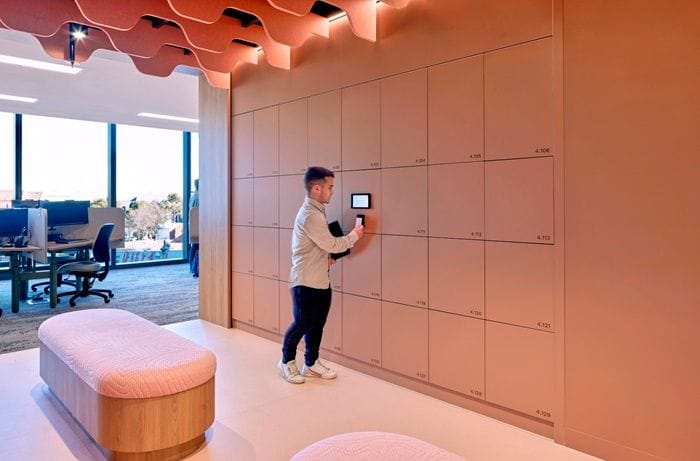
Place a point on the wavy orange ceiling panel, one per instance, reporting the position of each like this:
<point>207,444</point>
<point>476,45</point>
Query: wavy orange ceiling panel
<point>280,26</point>
<point>39,17</point>
<point>362,14</point>
<point>160,34</point>
<point>57,45</point>
<point>125,15</point>
<point>168,58</point>
<point>206,37</point>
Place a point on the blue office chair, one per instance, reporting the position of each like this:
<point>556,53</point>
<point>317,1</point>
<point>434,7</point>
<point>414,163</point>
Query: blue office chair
<point>89,271</point>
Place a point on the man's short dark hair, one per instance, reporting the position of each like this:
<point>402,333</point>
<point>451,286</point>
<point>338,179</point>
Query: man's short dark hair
<point>316,175</point>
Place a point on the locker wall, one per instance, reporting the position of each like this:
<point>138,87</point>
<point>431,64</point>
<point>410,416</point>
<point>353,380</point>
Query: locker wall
<point>452,284</point>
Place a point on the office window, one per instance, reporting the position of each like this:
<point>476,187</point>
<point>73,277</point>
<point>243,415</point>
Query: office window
<point>64,159</point>
<point>149,187</point>
<point>7,159</point>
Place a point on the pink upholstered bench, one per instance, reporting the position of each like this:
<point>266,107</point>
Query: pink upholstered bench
<point>140,391</point>
<point>373,446</point>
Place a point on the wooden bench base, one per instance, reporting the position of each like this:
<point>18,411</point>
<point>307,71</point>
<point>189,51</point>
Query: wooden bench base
<point>165,428</point>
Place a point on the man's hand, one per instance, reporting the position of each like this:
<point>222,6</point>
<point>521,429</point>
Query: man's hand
<point>331,261</point>
<point>359,230</point>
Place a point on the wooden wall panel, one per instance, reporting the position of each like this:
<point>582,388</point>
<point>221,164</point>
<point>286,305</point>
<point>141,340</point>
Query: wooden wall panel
<point>215,204</point>
<point>631,111</point>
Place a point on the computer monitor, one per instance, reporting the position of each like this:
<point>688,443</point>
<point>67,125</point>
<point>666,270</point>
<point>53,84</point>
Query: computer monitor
<point>66,213</point>
<point>12,221</point>
<point>26,203</point>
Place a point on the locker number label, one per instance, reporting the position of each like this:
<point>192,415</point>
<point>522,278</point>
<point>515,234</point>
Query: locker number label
<point>542,150</point>
<point>476,234</point>
<point>474,155</point>
<point>476,392</point>
<point>421,375</point>
<point>544,237</point>
<point>374,164</point>
<point>337,348</point>
<point>375,295</point>
<point>336,167</point>
<point>544,413</point>
<point>547,325</point>
<point>375,361</point>
<point>421,303</point>
<point>421,160</point>
<point>476,313</point>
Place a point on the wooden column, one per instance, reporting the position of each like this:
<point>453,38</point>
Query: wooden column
<point>215,204</point>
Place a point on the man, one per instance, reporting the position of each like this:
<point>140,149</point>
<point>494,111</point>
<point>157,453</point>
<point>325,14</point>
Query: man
<point>194,248</point>
<point>309,280</point>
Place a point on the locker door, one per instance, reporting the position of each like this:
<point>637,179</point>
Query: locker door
<point>242,297</point>
<point>242,202</point>
<point>285,253</point>
<point>367,181</point>
<point>362,268</point>
<point>405,198</point>
<point>324,130</point>
<point>405,270</point>
<point>456,111</point>
<point>285,302</point>
<point>456,200</point>
<point>266,201</point>
<point>265,141</point>
<point>291,196</point>
<point>520,284</point>
<point>361,126</point>
<point>405,340</point>
<point>266,302</point>
<point>519,101</point>
<point>362,320</point>
<point>292,140</point>
<point>520,369</point>
<point>242,145</point>
<point>242,248</point>
<point>332,332</point>
<point>266,252</point>
<point>336,274</point>
<point>520,200</point>
<point>456,275</point>
<point>334,210</point>
<point>456,353</point>
<point>404,119</point>
<point>286,317</point>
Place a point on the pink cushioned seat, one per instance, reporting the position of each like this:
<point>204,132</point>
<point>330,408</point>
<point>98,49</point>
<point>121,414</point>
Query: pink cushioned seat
<point>373,446</point>
<point>121,355</point>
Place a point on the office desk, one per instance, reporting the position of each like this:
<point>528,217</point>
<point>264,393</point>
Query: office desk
<point>53,249</point>
<point>15,254</point>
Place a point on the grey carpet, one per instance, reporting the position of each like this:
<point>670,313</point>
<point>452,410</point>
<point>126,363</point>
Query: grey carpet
<point>162,294</point>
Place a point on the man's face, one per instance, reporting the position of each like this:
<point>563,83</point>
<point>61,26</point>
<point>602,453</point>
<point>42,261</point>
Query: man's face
<point>325,190</point>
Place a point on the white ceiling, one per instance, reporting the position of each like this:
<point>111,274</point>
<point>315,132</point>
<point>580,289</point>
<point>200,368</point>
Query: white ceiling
<point>108,89</point>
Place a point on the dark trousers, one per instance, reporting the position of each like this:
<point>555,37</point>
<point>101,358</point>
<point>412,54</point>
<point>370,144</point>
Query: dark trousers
<point>194,259</point>
<point>311,307</point>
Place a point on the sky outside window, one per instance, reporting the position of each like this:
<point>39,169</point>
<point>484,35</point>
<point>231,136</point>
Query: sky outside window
<point>149,163</point>
<point>63,159</point>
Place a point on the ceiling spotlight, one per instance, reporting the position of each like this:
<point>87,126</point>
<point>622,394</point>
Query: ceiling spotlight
<point>75,32</point>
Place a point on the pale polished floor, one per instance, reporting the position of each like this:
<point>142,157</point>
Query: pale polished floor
<point>261,417</point>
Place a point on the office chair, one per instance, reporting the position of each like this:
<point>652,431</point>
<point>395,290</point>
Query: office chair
<point>95,269</point>
<point>60,281</point>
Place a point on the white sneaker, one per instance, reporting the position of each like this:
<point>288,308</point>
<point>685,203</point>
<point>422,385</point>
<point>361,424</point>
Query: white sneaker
<point>290,372</point>
<point>318,370</point>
